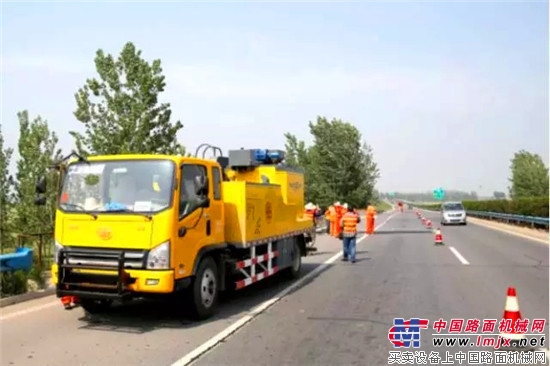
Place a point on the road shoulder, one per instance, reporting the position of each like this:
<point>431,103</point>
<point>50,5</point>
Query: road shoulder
<point>527,233</point>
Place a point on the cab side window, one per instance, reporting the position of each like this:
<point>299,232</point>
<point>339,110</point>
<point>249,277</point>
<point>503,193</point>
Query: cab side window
<point>188,195</point>
<point>217,182</point>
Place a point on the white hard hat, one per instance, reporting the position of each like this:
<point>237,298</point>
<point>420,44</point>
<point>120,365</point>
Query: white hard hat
<point>337,203</point>
<point>310,206</point>
<point>345,205</point>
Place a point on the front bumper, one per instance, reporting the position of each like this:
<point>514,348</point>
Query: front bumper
<point>454,220</point>
<point>87,281</point>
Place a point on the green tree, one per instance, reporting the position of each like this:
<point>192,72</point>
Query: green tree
<point>6,184</point>
<point>529,176</point>
<point>37,148</point>
<point>121,111</point>
<point>296,152</point>
<point>339,166</point>
<point>297,156</point>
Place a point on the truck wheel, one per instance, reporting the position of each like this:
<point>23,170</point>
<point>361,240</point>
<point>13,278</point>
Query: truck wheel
<point>93,306</point>
<point>293,271</point>
<point>205,289</point>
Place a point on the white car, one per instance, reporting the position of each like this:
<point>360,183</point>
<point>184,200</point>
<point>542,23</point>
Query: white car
<point>453,213</point>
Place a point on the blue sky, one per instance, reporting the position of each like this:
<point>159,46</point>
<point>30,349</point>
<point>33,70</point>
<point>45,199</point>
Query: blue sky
<point>443,92</point>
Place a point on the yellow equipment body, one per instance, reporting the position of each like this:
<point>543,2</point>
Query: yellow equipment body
<point>256,212</point>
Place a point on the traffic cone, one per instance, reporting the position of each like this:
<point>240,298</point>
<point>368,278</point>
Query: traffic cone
<point>438,237</point>
<point>428,224</point>
<point>512,313</point>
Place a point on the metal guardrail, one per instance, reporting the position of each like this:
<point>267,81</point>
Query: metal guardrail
<point>532,220</point>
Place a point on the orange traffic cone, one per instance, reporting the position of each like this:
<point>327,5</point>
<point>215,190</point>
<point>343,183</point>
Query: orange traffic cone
<point>510,337</point>
<point>438,237</point>
<point>428,224</point>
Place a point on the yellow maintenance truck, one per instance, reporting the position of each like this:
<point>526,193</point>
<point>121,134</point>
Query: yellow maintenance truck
<point>131,226</point>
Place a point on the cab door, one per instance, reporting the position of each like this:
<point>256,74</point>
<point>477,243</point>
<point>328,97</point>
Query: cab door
<point>193,225</point>
<point>216,218</point>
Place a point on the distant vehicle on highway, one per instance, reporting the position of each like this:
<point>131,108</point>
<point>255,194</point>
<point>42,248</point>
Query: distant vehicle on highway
<point>453,213</point>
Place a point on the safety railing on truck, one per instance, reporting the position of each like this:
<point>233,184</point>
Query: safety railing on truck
<point>533,221</point>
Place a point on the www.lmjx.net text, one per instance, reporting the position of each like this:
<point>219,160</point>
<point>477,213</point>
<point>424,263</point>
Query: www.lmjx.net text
<point>495,341</point>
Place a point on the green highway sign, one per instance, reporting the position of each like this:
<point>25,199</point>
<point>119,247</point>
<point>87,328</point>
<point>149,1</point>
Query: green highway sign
<point>439,193</point>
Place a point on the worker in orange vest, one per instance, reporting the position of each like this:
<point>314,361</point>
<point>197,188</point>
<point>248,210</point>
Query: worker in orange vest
<point>310,212</point>
<point>339,208</point>
<point>327,218</point>
<point>371,213</point>
<point>349,223</point>
<point>334,219</point>
<point>69,302</point>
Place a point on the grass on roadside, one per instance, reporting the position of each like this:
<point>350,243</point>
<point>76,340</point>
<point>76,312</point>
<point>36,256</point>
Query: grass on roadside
<point>382,206</point>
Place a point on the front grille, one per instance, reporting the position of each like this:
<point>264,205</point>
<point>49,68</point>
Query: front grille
<point>105,258</point>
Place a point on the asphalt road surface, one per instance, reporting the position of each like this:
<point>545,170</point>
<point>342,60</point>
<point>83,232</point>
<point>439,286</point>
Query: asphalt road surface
<point>339,317</point>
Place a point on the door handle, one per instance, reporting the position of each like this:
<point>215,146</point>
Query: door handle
<point>208,228</point>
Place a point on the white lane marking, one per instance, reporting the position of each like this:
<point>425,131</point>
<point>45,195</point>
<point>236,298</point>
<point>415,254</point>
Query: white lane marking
<point>212,342</point>
<point>459,256</point>
<point>30,310</point>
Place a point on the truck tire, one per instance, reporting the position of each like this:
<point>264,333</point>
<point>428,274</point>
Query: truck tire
<point>293,271</point>
<point>93,306</point>
<point>204,297</point>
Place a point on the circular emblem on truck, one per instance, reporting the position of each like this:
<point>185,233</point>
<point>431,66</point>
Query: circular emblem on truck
<point>268,212</point>
<point>104,233</point>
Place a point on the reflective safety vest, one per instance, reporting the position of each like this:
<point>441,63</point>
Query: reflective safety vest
<point>333,214</point>
<point>349,223</point>
<point>310,214</point>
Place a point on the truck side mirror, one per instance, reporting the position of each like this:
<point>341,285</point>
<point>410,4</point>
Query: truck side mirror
<point>201,185</point>
<point>41,185</point>
<point>40,200</point>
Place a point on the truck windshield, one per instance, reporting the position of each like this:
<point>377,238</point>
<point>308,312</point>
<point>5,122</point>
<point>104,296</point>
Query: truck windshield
<point>119,186</point>
<point>453,207</point>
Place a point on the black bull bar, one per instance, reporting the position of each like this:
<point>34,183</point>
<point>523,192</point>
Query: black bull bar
<point>73,280</point>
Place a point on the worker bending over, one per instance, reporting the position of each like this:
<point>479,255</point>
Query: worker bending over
<point>349,223</point>
<point>371,213</point>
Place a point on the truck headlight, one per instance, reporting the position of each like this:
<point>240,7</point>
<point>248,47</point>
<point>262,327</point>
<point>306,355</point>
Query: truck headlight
<point>159,257</point>
<point>57,249</point>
